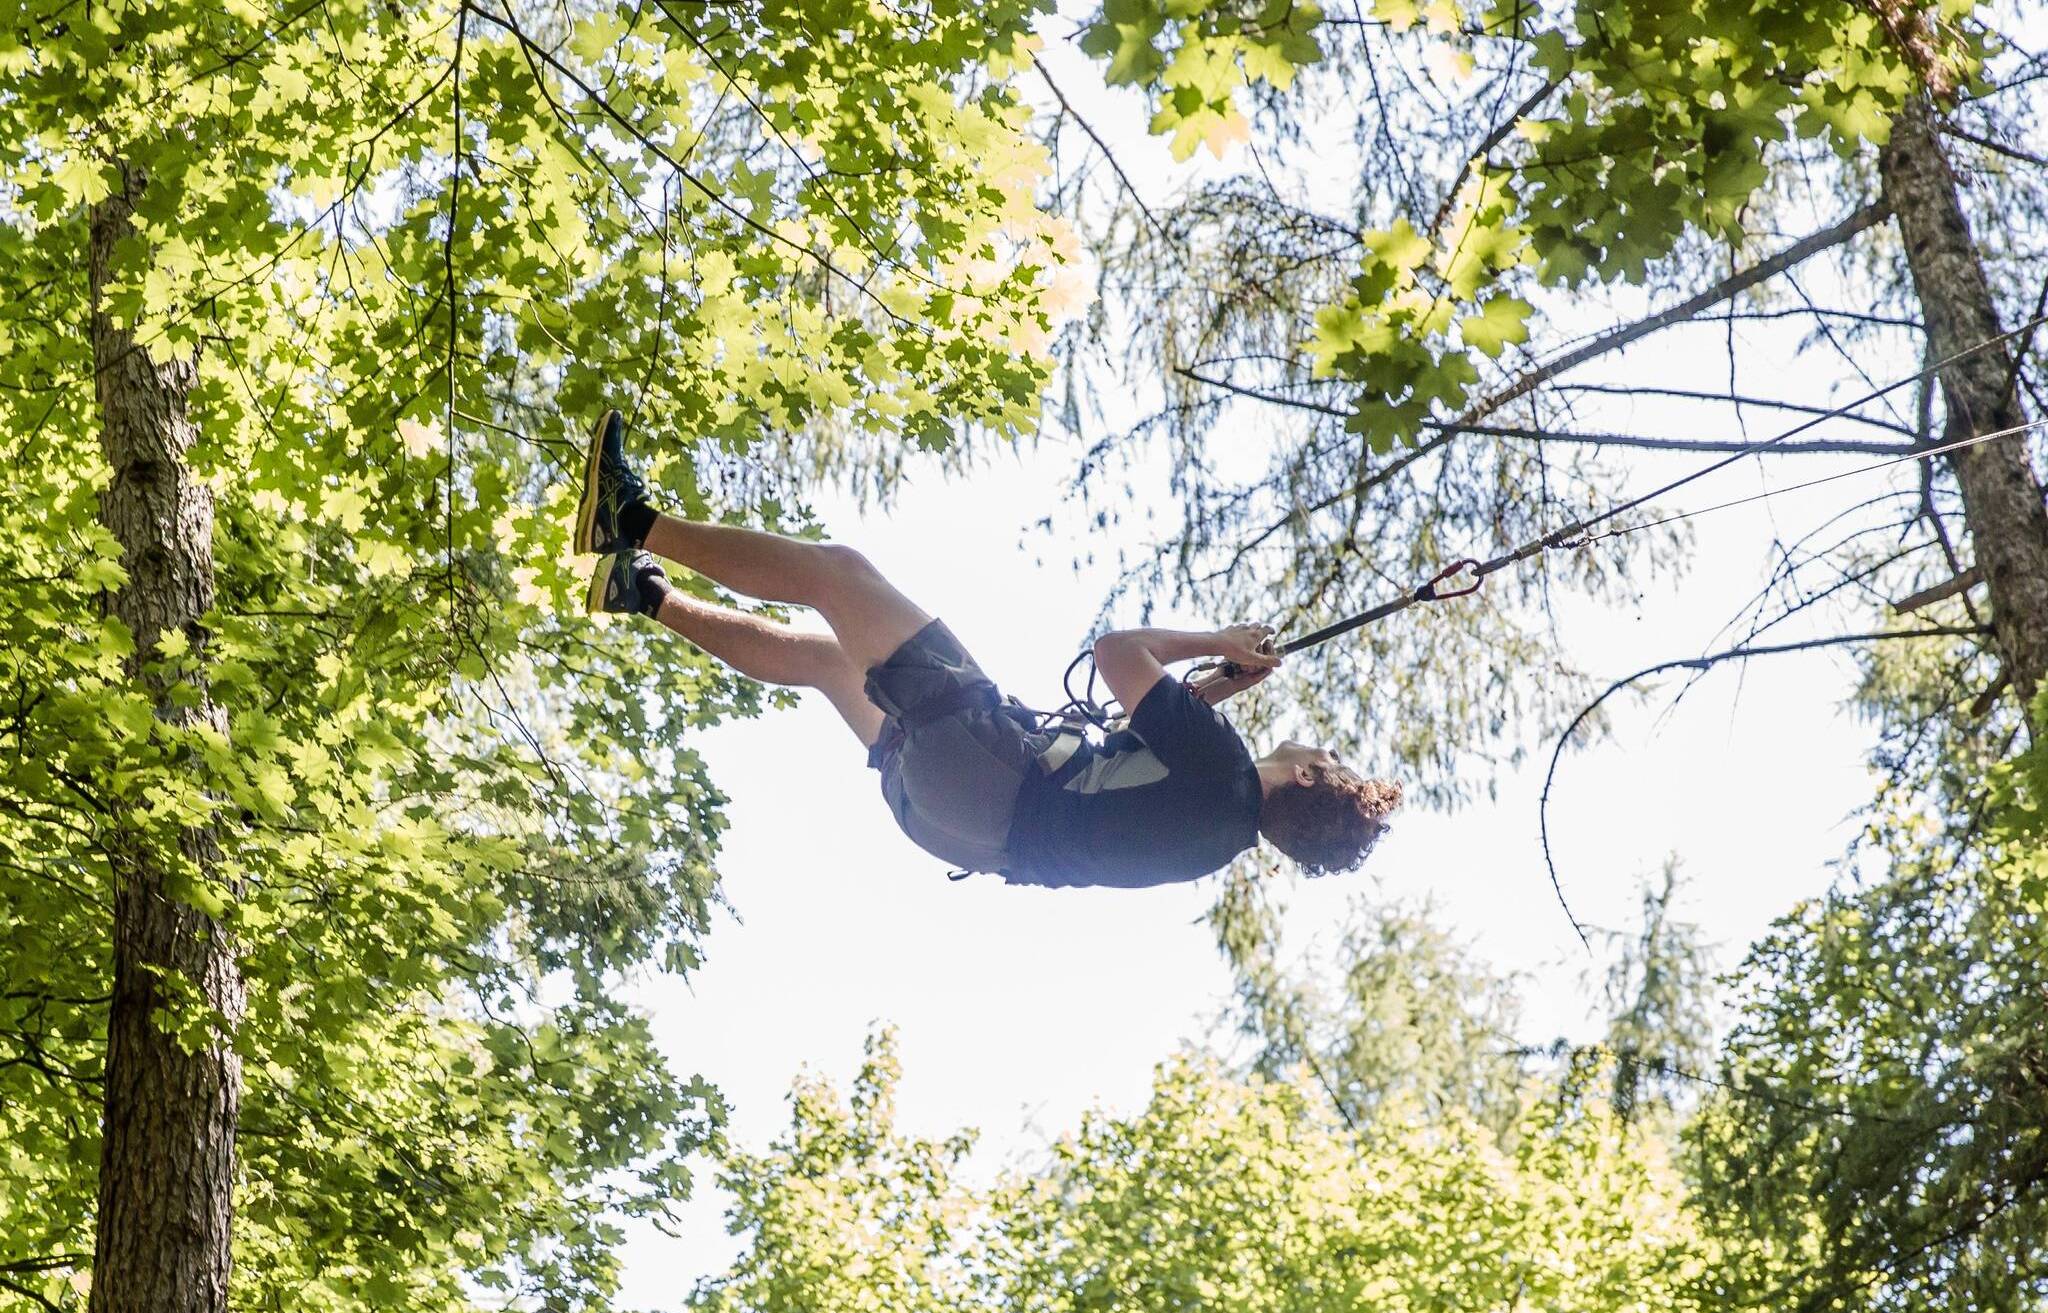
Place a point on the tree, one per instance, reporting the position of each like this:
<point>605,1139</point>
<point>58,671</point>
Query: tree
<point>1660,1036</point>
<point>1252,1195</point>
<point>2001,494</point>
<point>1864,1145</point>
<point>846,1211</point>
<point>325,835</point>
<point>1223,1191</point>
<point>1894,1159</point>
<point>1427,332</point>
<point>1409,1015</point>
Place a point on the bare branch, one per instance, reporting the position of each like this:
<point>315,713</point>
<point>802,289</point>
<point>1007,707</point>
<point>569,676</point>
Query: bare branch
<point>46,1263</point>
<point>1130,188</point>
<point>30,1293</point>
<point>1739,399</point>
<point>1988,699</point>
<point>1962,583</point>
<point>1829,446</point>
<point>1818,312</point>
<point>1698,663</point>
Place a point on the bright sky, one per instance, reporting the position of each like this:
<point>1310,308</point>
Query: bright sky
<point>1019,1008</point>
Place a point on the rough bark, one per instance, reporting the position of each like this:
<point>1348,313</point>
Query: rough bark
<point>1906,23</point>
<point>167,1158</point>
<point>2001,495</point>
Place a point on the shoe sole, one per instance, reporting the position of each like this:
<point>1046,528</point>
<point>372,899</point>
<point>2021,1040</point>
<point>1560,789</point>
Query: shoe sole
<point>586,510</point>
<point>593,600</point>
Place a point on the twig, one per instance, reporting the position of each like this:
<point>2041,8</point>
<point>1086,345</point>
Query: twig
<point>1963,582</point>
<point>1494,138</point>
<point>1988,699</point>
<point>1697,663</point>
<point>1130,188</point>
<point>1995,147</point>
<point>1830,446</point>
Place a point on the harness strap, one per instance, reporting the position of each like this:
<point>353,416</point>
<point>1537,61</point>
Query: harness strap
<point>1062,758</point>
<point>1066,742</point>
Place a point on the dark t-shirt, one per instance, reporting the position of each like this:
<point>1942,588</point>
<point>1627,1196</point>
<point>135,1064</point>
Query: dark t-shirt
<point>1173,797</point>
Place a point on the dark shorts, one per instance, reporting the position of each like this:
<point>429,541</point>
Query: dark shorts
<point>952,755</point>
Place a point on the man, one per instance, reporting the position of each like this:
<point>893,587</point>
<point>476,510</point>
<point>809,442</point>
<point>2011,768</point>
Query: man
<point>971,778</point>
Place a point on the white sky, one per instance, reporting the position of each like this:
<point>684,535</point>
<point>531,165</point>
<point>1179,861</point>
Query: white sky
<point>1019,1008</point>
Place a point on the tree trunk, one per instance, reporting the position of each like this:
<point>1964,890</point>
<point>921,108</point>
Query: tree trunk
<point>167,1158</point>
<point>2001,497</point>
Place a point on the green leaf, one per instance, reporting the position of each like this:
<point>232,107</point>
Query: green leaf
<point>1500,321</point>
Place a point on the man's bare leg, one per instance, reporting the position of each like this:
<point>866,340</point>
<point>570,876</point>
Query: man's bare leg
<point>776,654</point>
<point>869,617</point>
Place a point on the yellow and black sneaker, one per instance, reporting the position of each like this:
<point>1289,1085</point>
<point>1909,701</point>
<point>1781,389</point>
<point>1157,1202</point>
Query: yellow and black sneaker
<point>611,490</point>
<point>626,583</point>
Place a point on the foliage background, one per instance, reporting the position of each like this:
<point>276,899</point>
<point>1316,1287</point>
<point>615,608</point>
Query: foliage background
<point>440,800</point>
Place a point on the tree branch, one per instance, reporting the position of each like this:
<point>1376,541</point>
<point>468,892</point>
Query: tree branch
<point>1493,138</point>
<point>1738,399</point>
<point>1130,188</point>
<point>29,1293</point>
<point>1818,312</point>
<point>1728,288</point>
<point>1698,663</point>
<point>1961,583</point>
<point>46,1263</point>
<point>1831,446</point>
<point>655,148</point>
<point>1605,343</point>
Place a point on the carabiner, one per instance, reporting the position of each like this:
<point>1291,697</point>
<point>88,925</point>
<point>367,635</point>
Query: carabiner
<point>1429,592</point>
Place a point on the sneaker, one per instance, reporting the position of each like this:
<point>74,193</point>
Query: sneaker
<point>609,487</point>
<point>619,583</point>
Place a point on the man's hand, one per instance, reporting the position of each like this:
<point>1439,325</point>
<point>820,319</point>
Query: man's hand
<point>1248,647</point>
<point>1248,658</point>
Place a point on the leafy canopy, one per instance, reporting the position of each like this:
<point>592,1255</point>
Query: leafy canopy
<point>414,248</point>
<point>1654,121</point>
<point>1221,1192</point>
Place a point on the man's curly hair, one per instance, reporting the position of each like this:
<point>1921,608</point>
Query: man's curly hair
<point>1329,824</point>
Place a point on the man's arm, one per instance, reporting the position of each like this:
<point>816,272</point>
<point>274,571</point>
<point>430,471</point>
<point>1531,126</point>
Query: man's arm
<point>1131,661</point>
